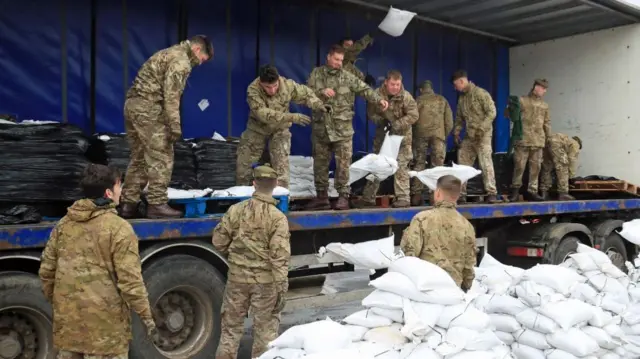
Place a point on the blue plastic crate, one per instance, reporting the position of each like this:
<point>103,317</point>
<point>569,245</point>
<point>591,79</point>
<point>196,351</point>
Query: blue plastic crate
<point>197,207</point>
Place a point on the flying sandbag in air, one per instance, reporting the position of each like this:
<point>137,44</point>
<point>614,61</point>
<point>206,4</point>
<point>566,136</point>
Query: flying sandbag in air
<point>396,21</point>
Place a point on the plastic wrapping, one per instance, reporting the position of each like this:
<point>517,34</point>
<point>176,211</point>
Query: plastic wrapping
<point>20,214</point>
<point>215,163</point>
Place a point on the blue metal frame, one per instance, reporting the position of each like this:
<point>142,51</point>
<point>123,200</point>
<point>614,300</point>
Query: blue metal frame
<point>35,236</point>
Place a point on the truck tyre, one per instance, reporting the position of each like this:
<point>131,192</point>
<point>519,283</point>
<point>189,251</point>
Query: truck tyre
<point>25,318</point>
<point>614,247</point>
<point>568,245</point>
<point>185,294</point>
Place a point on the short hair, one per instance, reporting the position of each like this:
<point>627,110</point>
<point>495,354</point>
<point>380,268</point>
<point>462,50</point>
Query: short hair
<point>336,49</point>
<point>97,179</point>
<point>268,74</point>
<point>343,40</point>
<point>265,184</point>
<point>458,75</point>
<point>204,42</point>
<point>394,75</point>
<point>451,185</point>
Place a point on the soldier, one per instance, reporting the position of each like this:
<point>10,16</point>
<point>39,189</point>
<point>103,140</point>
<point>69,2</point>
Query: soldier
<point>351,52</point>
<point>254,236</point>
<point>269,120</point>
<point>397,119</point>
<point>91,274</point>
<point>430,132</point>
<point>536,127</point>
<point>443,236</point>
<point>477,110</point>
<point>152,122</point>
<point>560,153</point>
<point>333,132</point>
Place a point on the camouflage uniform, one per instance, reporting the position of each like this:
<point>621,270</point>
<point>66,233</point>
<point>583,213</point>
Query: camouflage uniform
<point>401,114</point>
<point>91,274</point>
<point>535,129</point>
<point>430,132</point>
<point>560,153</point>
<point>269,120</point>
<point>477,109</point>
<point>443,237</point>
<point>351,55</point>
<point>254,236</point>
<point>152,121</point>
<point>334,132</point>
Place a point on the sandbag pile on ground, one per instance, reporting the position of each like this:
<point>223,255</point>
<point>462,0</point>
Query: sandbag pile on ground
<point>301,183</point>
<point>572,310</point>
<point>415,312</point>
<point>631,317</point>
<point>215,163</point>
<point>41,162</point>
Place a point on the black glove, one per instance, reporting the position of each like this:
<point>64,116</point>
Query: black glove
<point>328,109</point>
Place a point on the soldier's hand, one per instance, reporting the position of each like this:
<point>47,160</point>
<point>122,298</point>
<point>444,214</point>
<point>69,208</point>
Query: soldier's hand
<point>328,109</point>
<point>300,119</point>
<point>329,92</point>
<point>384,105</point>
<point>280,303</point>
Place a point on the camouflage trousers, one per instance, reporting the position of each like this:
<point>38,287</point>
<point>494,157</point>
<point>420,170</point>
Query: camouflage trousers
<point>239,299</point>
<point>322,149</point>
<point>250,150</point>
<point>64,354</point>
<point>400,178</point>
<point>469,151</point>
<point>558,161</point>
<point>438,151</point>
<point>522,155</point>
<point>151,158</point>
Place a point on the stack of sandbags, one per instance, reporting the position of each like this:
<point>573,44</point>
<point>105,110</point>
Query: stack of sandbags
<point>631,317</point>
<point>215,163</point>
<point>184,166</point>
<point>301,179</point>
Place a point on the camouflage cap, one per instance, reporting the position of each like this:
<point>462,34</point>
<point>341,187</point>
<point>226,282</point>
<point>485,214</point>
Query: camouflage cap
<point>425,85</point>
<point>542,82</point>
<point>577,139</point>
<point>264,171</point>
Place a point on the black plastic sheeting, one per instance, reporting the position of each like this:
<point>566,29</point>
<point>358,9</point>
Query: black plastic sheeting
<point>20,214</point>
<point>215,163</point>
<point>41,162</point>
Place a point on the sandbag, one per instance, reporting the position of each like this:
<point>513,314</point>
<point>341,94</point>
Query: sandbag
<point>505,323</point>
<point>532,338</point>
<point>567,313</point>
<point>321,336</point>
<point>368,319</point>
<point>573,341</point>
<point>401,285</point>
<point>558,278</point>
<point>521,351</point>
<point>283,353</point>
<point>423,274</point>
<point>533,320</point>
<point>396,21</point>
<point>464,315</point>
<point>397,315</point>
<point>383,299</point>
<point>381,165</point>
<point>430,176</point>
<point>418,351</point>
<point>375,254</point>
<point>631,231</point>
<point>389,335</point>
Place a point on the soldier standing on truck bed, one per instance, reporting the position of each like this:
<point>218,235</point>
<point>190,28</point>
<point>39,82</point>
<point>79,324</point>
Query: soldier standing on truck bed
<point>269,97</point>
<point>430,132</point>
<point>351,51</point>
<point>560,153</point>
<point>477,110</point>
<point>91,274</point>
<point>443,236</point>
<point>536,128</point>
<point>254,236</point>
<point>397,119</point>
<point>333,132</point>
<point>152,122</point>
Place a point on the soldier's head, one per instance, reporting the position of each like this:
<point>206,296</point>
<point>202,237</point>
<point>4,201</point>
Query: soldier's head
<point>335,56</point>
<point>265,179</point>
<point>426,87</point>
<point>460,80</point>
<point>393,82</point>
<point>99,181</point>
<point>577,139</point>
<point>448,189</point>
<point>202,48</point>
<point>540,87</point>
<point>269,79</point>
<point>346,42</point>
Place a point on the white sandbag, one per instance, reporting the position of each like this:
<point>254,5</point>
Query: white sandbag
<point>560,279</point>
<point>585,292</point>
<point>532,338</point>
<point>559,354</point>
<point>467,339</point>
<point>634,293</point>
<point>418,351</point>
<point>427,312</point>
<point>614,331</point>
<point>464,315</point>
<point>600,318</point>
<point>423,274</point>
<point>531,319</point>
<point>573,341</point>
<point>397,315</point>
<point>381,165</point>
<point>631,329</point>
<point>495,279</point>
<point>346,353</point>
<point>506,338</point>
<point>612,302</point>
<point>504,304</point>
<point>505,323</point>
<point>382,299</point>
<point>472,354</point>
<point>603,283</point>
<point>323,335</point>
<point>631,231</point>
<point>398,283</point>
<point>521,351</point>
<point>390,336</point>
<point>375,254</point>
<point>356,332</point>
<point>601,337</point>
<point>534,294</point>
<point>567,313</point>
<point>502,352</point>
<point>430,176</point>
<point>414,328</point>
<point>396,21</point>
<point>283,353</point>
<point>366,318</point>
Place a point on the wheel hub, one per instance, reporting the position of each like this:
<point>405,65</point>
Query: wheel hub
<point>616,258</point>
<point>175,321</point>
<point>176,318</point>
<point>10,346</point>
<point>18,339</point>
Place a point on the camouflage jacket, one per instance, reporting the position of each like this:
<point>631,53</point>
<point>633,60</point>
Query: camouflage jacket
<point>91,274</point>
<point>351,56</point>
<point>401,114</point>
<point>436,118</point>
<point>339,123</point>
<point>477,110</point>
<point>162,78</point>
<point>535,121</point>
<point>564,150</point>
<point>443,237</point>
<point>254,236</point>
<point>267,113</point>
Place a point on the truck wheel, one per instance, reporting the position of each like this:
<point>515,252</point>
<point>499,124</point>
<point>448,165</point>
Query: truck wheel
<point>25,318</point>
<point>614,247</point>
<point>185,293</point>
<point>567,246</point>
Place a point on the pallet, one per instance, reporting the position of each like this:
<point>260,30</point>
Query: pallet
<point>605,186</point>
<point>197,207</point>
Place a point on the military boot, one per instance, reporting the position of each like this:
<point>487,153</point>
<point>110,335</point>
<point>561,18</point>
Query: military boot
<point>533,196</point>
<point>401,203</point>
<point>157,211</point>
<point>416,200</point>
<point>364,203</point>
<point>342,204</point>
<point>492,198</point>
<point>320,203</point>
<point>565,197</point>
<point>545,195</point>
<point>129,210</point>
<point>515,195</point>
